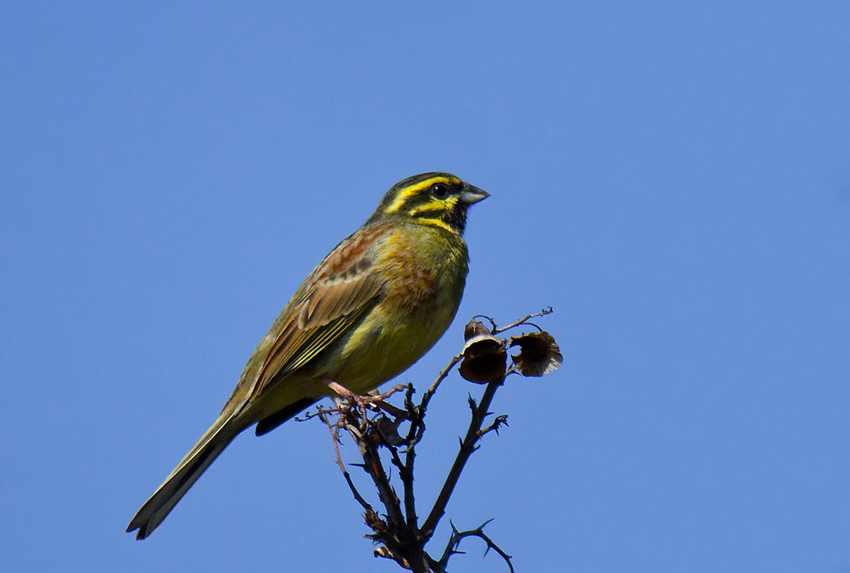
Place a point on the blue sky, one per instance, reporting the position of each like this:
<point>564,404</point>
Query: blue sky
<point>671,177</point>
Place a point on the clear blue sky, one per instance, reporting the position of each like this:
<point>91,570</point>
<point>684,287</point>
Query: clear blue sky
<point>672,177</point>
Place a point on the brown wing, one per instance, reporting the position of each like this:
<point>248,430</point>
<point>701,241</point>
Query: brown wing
<point>331,301</point>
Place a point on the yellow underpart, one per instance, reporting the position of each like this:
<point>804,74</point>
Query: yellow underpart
<point>409,192</point>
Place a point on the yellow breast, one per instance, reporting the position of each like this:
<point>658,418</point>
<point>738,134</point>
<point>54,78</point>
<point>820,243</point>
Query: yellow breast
<point>425,271</point>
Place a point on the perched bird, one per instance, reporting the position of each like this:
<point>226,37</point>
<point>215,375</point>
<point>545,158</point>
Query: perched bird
<point>374,305</point>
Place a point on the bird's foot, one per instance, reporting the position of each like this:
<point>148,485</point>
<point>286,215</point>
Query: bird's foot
<point>386,429</point>
<point>373,399</point>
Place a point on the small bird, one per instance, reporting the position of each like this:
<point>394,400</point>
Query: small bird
<point>374,305</point>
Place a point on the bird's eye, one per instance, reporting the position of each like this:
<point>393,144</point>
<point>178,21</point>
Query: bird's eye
<point>439,190</point>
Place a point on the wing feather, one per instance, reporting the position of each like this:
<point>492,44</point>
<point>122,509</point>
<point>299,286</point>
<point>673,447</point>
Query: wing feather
<point>335,296</point>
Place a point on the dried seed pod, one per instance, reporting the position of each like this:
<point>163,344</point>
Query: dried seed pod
<point>474,328</point>
<point>539,354</point>
<point>388,431</point>
<point>484,356</point>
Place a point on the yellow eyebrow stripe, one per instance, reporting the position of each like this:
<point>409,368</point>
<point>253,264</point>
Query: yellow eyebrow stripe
<point>406,194</point>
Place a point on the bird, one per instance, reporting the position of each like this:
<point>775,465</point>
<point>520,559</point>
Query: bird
<point>370,309</point>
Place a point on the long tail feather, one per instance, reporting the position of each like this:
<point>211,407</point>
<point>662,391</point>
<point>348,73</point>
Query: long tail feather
<point>184,475</point>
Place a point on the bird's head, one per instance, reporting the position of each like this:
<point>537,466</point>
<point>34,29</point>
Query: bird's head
<point>437,199</point>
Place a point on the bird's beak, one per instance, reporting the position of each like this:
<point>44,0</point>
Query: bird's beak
<point>471,194</point>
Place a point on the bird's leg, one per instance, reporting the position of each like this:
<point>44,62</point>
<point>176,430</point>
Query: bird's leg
<point>371,399</point>
<point>388,429</point>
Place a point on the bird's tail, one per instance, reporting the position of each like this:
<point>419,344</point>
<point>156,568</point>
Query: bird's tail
<point>184,475</point>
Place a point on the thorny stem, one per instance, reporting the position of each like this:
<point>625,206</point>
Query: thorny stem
<point>457,537</point>
<point>524,320</point>
<point>405,470</point>
<point>373,465</point>
<point>426,397</point>
<point>334,430</point>
<point>405,473</point>
<point>467,446</point>
<point>416,415</point>
<point>403,541</point>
